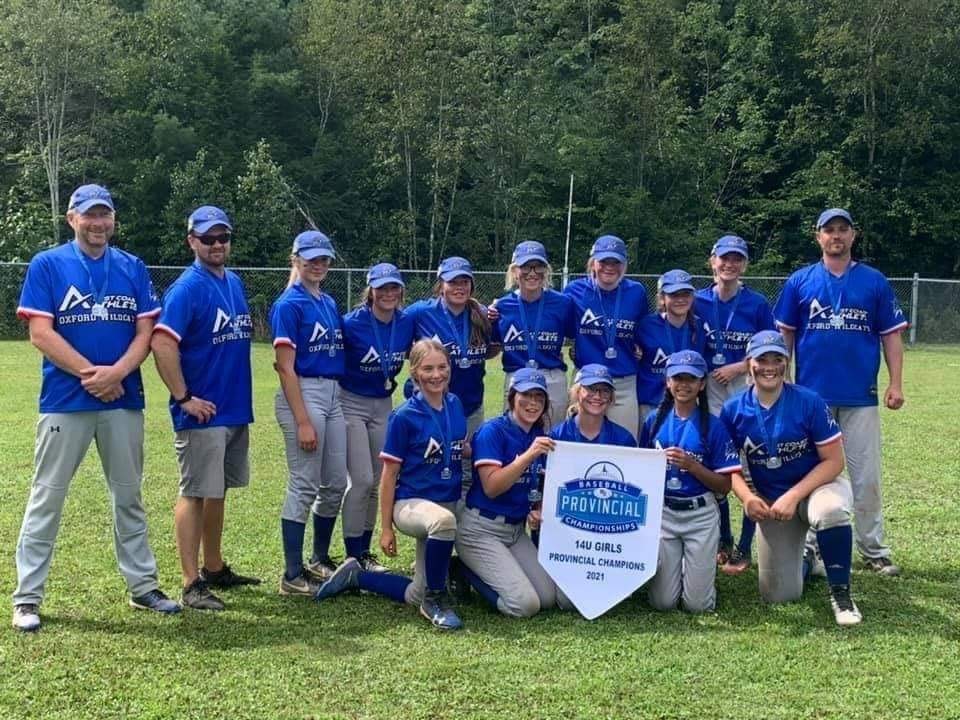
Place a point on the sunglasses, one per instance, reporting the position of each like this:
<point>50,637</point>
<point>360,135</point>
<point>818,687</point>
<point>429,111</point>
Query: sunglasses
<point>210,240</point>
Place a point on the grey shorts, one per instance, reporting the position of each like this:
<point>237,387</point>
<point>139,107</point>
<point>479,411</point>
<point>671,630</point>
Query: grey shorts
<point>212,460</point>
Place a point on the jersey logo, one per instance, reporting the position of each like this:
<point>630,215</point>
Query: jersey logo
<point>513,334</point>
<point>221,321</point>
<point>450,346</point>
<point>707,330</point>
<point>660,358</point>
<point>73,298</point>
<point>319,331</point>
<point>433,448</point>
<point>750,447</point>
<point>816,309</point>
<point>372,356</point>
<point>590,319</point>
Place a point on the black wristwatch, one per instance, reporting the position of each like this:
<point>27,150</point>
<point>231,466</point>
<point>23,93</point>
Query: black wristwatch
<point>187,396</point>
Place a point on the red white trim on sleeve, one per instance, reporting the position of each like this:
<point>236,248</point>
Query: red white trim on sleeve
<point>284,341</point>
<point>390,458</point>
<point>25,313</point>
<point>160,327</point>
<point>831,439</point>
<point>899,326</point>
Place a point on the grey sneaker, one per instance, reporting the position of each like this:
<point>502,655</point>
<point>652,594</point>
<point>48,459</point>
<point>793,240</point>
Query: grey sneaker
<point>300,585</point>
<point>882,566</point>
<point>199,597</point>
<point>436,608</point>
<point>156,601</point>
<point>320,570</point>
<point>26,617</point>
<point>845,610</point>
<point>371,563</point>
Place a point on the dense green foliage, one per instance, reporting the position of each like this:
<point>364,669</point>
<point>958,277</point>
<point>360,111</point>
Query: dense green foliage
<point>411,130</point>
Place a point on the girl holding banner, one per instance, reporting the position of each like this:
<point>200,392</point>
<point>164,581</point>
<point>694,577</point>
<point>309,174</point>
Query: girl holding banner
<point>590,399</point>
<point>700,458</point>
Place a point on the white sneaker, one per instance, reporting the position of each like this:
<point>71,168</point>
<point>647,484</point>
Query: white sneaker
<point>26,617</point>
<point>845,610</point>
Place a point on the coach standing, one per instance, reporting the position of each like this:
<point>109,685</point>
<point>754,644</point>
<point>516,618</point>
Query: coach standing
<point>90,309</point>
<point>202,348</point>
<point>837,314</point>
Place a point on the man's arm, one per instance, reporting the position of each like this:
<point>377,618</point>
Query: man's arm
<point>789,336</point>
<point>166,355</point>
<point>893,356</point>
<point>100,380</point>
<point>54,347</point>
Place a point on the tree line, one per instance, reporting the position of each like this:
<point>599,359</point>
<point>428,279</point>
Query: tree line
<point>413,130</point>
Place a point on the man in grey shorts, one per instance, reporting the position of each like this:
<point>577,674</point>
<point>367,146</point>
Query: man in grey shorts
<point>202,349</point>
<point>90,309</point>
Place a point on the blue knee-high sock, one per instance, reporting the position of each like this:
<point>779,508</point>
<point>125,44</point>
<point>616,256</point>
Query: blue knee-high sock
<point>365,540</point>
<point>386,584</point>
<point>486,592</point>
<point>322,532</point>
<point>836,549</point>
<point>292,533</point>
<point>535,537</point>
<point>353,546</point>
<point>747,530</point>
<point>437,561</point>
<point>726,532</point>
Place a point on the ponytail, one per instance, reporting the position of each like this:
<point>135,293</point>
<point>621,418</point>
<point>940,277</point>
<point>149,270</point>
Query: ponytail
<point>294,272</point>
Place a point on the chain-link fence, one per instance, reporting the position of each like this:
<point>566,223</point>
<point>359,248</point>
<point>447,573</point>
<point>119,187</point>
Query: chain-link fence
<point>933,306</point>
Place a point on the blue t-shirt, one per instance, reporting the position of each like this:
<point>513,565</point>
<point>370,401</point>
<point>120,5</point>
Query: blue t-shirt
<point>498,442</point>
<point>431,321</point>
<point>841,364</point>
<point>375,351</point>
<point>718,453</point>
<point>312,327</point>
<point>610,433</point>
<point>600,318</point>
<point>554,318</point>
<point>209,318</point>
<point>735,321</point>
<point>64,286</point>
<point>418,437</point>
<point>657,340</point>
<point>804,422</point>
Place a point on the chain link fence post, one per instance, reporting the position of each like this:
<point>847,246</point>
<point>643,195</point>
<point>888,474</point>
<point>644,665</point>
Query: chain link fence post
<point>914,302</point>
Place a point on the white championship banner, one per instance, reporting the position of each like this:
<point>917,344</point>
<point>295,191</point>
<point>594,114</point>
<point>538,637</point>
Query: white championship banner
<point>600,535</point>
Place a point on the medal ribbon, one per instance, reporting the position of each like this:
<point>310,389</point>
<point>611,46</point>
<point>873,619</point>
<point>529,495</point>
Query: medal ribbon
<point>719,339</point>
<point>98,296</point>
<point>228,301</point>
<point>769,439</point>
<point>835,286</point>
<point>444,437</point>
<point>531,335</point>
<point>670,329</point>
<point>675,439</point>
<point>462,338</point>
<point>386,353</point>
<point>610,321</point>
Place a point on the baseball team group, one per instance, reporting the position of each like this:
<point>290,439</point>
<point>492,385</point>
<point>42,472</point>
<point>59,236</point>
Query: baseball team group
<point>705,375</point>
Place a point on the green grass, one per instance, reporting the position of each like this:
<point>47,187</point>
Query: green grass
<point>360,657</point>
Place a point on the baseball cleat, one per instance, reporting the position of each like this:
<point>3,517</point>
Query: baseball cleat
<point>156,601</point>
<point>320,569</point>
<point>26,617</point>
<point>370,563</point>
<point>300,585</point>
<point>346,577</point>
<point>437,609</point>
<point>845,610</point>
<point>882,566</point>
<point>197,595</point>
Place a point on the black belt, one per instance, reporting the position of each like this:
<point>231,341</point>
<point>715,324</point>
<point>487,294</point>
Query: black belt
<point>490,515</point>
<point>675,503</point>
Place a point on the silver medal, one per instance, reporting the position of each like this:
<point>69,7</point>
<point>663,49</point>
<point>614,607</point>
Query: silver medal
<point>774,462</point>
<point>446,473</point>
<point>532,364</point>
<point>534,496</point>
<point>99,311</point>
<point>611,353</point>
<point>837,321</point>
<point>464,363</point>
<point>387,384</point>
<point>332,352</point>
<point>673,483</point>
<point>719,359</point>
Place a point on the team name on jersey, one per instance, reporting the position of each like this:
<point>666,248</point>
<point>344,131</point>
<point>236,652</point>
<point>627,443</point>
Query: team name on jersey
<point>514,337</point>
<point>593,324</point>
<point>786,451</point>
<point>476,353</point>
<point>321,339</point>
<point>853,318</point>
<point>76,307</point>
<point>730,337</point>
<point>434,452</point>
<point>229,329</point>
<point>372,357</point>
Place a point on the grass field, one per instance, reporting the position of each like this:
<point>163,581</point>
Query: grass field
<point>363,657</point>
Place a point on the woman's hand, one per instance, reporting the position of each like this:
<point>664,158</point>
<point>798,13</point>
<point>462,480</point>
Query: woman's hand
<point>756,508</point>
<point>307,437</point>
<point>727,373</point>
<point>785,507</point>
<point>534,519</point>
<point>538,447</point>
<point>388,542</point>
<point>680,458</point>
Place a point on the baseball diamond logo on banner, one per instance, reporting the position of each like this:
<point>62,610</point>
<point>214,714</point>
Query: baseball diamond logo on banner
<point>600,537</point>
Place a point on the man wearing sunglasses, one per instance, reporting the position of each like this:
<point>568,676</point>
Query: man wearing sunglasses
<point>90,309</point>
<point>201,345</point>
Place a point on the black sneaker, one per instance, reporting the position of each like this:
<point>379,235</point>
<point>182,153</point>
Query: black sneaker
<point>371,563</point>
<point>845,610</point>
<point>457,582</point>
<point>882,566</point>
<point>321,569</point>
<point>225,578</point>
<point>198,596</point>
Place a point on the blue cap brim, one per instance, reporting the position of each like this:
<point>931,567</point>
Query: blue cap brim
<point>677,287</point>
<point>527,386</point>
<point>454,274</point>
<point>524,259</point>
<point>314,253</point>
<point>594,380</point>
<point>758,351</point>
<point>380,282</point>
<point>685,370</point>
<point>86,205</point>
<point>609,255</point>
<point>718,251</point>
<point>201,228</point>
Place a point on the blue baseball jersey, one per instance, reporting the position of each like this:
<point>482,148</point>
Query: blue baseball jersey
<point>419,437</point>
<point>730,324</point>
<point>432,322</point>
<point>64,287</point>
<point>804,422</point>
<point>610,433</point>
<point>553,317</point>
<point>657,340</point>
<point>311,326</point>
<point>840,363</point>
<point>499,442</point>
<point>600,318</point>
<point>209,318</point>
<point>374,357</point>
<point>718,453</point>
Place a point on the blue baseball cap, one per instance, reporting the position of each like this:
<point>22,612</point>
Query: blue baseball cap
<point>730,244</point>
<point>206,217</point>
<point>384,274</point>
<point>686,362</point>
<point>674,281</point>
<point>454,267</point>
<point>89,196</point>
<point>526,379</point>
<point>767,341</point>
<point>312,244</point>
<point>593,374</point>
<point>528,251</point>
<point>609,247</point>
<point>828,215</point>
